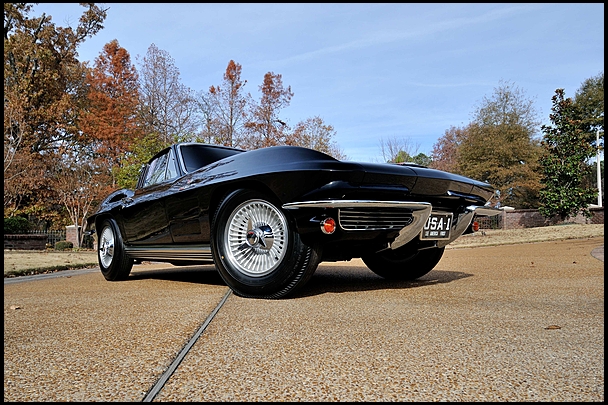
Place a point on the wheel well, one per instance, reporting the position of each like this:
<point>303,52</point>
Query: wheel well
<point>219,193</point>
<point>99,219</point>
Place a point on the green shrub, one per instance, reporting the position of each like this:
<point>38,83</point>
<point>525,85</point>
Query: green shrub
<point>63,245</point>
<point>16,225</point>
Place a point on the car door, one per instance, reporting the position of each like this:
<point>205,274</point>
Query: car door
<point>143,216</point>
<point>187,208</point>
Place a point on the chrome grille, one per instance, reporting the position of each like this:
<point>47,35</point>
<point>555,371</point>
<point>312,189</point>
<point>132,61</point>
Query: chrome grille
<point>353,219</point>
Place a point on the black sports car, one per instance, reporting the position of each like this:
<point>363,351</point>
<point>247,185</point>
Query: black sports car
<point>266,218</point>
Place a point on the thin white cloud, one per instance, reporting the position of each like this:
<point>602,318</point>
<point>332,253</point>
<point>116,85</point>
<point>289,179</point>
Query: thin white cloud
<point>387,37</point>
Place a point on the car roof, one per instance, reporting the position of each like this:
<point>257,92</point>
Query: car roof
<point>164,150</point>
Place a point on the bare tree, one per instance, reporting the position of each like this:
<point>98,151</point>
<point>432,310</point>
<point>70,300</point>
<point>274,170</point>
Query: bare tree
<point>226,106</point>
<point>13,136</point>
<point>80,183</point>
<point>168,108</point>
<point>109,126</point>
<point>209,125</point>
<point>397,150</point>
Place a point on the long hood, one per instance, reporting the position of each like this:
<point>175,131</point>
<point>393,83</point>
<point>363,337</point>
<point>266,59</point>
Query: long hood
<point>424,181</point>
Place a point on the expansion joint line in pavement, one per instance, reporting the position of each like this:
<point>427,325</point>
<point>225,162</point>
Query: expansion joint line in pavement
<point>173,366</point>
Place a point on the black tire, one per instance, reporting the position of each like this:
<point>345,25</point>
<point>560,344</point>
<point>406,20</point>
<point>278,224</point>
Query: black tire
<point>114,263</point>
<point>405,263</point>
<point>256,249</point>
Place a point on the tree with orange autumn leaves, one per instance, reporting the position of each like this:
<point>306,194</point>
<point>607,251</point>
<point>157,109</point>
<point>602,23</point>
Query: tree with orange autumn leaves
<point>109,126</point>
<point>445,150</point>
<point>265,128</point>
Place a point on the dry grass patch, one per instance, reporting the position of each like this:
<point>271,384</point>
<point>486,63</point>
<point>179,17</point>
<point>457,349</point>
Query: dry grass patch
<point>26,262</point>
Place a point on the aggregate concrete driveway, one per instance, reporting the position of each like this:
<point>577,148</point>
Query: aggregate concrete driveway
<point>503,323</point>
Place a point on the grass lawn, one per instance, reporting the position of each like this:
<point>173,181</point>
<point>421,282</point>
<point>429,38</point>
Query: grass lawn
<point>26,262</point>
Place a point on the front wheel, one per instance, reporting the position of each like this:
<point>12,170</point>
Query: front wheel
<point>404,263</point>
<point>256,250</point>
<point>114,263</point>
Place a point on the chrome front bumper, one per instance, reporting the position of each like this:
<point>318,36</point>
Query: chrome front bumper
<point>420,212</point>
<point>464,220</point>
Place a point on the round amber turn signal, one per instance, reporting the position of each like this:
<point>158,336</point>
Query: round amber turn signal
<point>328,226</point>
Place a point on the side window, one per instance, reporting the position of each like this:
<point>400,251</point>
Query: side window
<point>156,171</point>
<point>172,171</point>
<point>162,168</point>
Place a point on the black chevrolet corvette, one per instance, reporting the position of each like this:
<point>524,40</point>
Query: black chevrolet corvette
<point>266,218</point>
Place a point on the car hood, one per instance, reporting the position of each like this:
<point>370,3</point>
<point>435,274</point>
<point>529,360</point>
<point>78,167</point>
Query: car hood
<point>425,181</point>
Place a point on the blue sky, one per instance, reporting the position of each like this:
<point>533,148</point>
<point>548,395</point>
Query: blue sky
<point>372,71</point>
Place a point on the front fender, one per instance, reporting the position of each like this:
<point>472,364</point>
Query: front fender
<point>111,202</point>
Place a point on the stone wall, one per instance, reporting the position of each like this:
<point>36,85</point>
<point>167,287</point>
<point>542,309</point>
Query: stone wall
<point>25,242</point>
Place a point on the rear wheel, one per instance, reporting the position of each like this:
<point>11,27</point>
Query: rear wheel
<point>114,263</point>
<point>405,263</point>
<point>255,248</point>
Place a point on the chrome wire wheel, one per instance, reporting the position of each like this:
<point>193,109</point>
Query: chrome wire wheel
<point>106,247</point>
<point>255,238</point>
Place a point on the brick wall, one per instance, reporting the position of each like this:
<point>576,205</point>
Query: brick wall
<point>528,218</point>
<point>25,242</point>
<point>531,218</point>
<point>72,234</point>
<point>596,218</point>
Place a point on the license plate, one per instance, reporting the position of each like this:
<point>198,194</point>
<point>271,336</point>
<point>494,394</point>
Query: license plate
<point>437,227</point>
